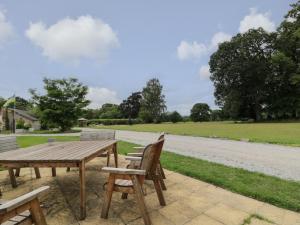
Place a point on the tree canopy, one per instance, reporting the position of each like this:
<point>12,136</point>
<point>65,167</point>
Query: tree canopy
<point>153,102</point>
<point>62,103</point>
<point>130,107</point>
<point>256,74</point>
<point>200,112</point>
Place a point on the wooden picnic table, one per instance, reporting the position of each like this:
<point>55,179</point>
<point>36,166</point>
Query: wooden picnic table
<point>59,154</point>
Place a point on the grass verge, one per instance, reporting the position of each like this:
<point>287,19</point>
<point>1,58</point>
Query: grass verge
<point>276,133</point>
<point>276,191</point>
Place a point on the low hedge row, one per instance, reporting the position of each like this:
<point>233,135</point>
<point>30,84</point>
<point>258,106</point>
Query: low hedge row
<point>113,121</point>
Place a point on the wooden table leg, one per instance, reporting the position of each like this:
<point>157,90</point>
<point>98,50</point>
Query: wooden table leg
<point>82,190</point>
<point>12,177</point>
<point>115,151</point>
<point>37,173</point>
<point>53,171</point>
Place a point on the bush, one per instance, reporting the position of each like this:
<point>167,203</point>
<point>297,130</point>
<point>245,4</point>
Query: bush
<point>20,123</point>
<point>113,121</point>
<point>175,117</point>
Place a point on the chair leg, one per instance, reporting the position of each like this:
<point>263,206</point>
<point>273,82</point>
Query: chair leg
<point>12,178</point>
<point>37,172</point>
<point>159,192</point>
<point>162,172</point>
<point>108,158</point>
<point>124,195</point>
<point>53,172</point>
<point>18,170</point>
<point>108,196</point>
<point>161,180</point>
<point>37,213</point>
<point>140,200</point>
<point>68,169</point>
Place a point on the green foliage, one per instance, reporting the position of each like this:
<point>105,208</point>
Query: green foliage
<point>109,111</point>
<point>2,102</point>
<point>20,123</point>
<point>175,117</point>
<point>239,70</point>
<point>130,107</point>
<point>153,102</point>
<point>62,104</point>
<point>200,112</point>
<point>217,115</point>
<point>257,74</point>
<point>113,121</point>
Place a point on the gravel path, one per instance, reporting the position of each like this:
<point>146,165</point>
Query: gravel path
<point>276,160</point>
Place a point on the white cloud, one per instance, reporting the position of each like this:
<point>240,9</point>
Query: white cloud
<point>219,38</point>
<point>70,40</point>
<point>99,96</point>
<point>204,72</point>
<point>191,50</point>
<point>6,29</point>
<point>183,109</point>
<point>256,20</point>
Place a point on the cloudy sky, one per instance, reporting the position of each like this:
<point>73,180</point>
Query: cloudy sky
<point>114,47</point>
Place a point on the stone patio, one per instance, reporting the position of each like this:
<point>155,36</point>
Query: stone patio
<point>189,201</point>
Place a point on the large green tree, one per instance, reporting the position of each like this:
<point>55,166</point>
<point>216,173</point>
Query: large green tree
<point>130,107</point>
<point>200,112</point>
<point>63,102</point>
<point>153,102</point>
<point>239,70</point>
<point>284,85</point>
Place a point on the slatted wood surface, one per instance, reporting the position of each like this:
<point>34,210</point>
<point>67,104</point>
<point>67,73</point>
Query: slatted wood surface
<point>97,135</point>
<point>75,151</point>
<point>8,143</point>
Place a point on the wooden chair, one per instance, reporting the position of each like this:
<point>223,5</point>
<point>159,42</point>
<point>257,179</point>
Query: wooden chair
<point>100,135</point>
<point>10,143</point>
<point>23,210</point>
<point>130,181</point>
<point>139,152</point>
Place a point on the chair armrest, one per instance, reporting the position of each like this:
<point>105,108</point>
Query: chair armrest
<point>136,154</point>
<point>132,158</point>
<point>139,148</point>
<point>123,171</point>
<point>23,199</point>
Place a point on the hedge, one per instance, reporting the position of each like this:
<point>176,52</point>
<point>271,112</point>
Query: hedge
<point>113,121</point>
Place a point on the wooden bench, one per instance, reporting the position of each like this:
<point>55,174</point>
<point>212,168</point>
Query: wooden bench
<point>23,210</point>
<point>9,143</point>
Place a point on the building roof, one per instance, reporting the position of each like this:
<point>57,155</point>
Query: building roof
<point>24,114</point>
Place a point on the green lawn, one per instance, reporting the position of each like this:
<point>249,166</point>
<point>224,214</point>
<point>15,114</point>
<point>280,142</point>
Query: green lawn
<point>276,133</point>
<point>26,141</point>
<point>265,188</point>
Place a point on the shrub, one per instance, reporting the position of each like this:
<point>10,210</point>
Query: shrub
<point>20,123</point>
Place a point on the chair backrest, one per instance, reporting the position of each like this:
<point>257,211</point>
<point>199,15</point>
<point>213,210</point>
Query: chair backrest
<point>151,157</point>
<point>97,135</point>
<point>8,143</point>
<point>161,136</point>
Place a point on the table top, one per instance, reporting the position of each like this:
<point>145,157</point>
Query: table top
<point>74,151</point>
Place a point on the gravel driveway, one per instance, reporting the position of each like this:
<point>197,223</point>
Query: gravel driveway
<point>276,160</point>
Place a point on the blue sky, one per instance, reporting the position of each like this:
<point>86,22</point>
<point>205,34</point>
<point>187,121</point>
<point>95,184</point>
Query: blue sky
<point>114,47</point>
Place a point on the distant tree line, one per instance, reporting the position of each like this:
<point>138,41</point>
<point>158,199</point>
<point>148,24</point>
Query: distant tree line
<point>257,74</point>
